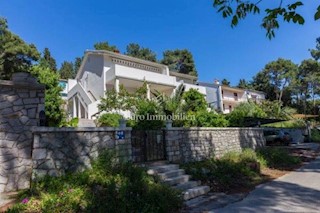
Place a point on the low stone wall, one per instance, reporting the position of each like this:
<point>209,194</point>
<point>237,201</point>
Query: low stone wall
<point>60,150</point>
<point>195,144</point>
<point>21,100</point>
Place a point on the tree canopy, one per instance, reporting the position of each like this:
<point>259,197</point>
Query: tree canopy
<point>180,61</point>
<point>67,70</point>
<point>135,50</point>
<point>53,101</point>
<point>15,54</point>
<point>105,46</point>
<point>47,60</point>
<point>240,9</point>
<point>225,82</point>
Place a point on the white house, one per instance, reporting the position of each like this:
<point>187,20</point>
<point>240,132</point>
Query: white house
<point>103,70</point>
<point>225,98</point>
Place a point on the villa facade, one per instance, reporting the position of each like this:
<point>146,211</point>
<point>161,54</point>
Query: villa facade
<point>102,70</point>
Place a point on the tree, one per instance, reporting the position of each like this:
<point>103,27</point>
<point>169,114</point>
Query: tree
<point>225,82</point>
<point>315,53</point>
<point>15,54</point>
<point>54,113</point>
<point>180,61</point>
<point>135,50</point>
<point>67,70</point>
<point>308,81</point>
<point>170,104</point>
<point>77,64</point>
<point>47,60</point>
<point>105,46</point>
<point>239,10</point>
<point>243,84</point>
<point>237,116</point>
<point>276,80</point>
<point>194,101</point>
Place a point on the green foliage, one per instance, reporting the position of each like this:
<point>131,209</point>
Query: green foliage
<point>315,53</point>
<point>204,118</point>
<point>280,74</point>
<point>53,102</point>
<point>48,61</point>
<point>136,51</point>
<point>274,109</point>
<point>233,170</point>
<point>238,10</point>
<point>72,123</point>
<point>170,104</point>
<point>137,103</point>
<point>107,187</point>
<point>77,64</point>
<point>110,119</point>
<point>117,101</point>
<point>67,70</point>
<point>277,158</point>
<point>194,101</point>
<point>250,109</point>
<point>148,108</point>
<point>315,135</point>
<point>225,82</point>
<point>105,46</point>
<point>180,61</point>
<point>15,54</point>
<point>243,84</point>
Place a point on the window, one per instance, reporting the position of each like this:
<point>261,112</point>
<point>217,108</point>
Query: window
<point>230,108</point>
<point>222,93</point>
<point>235,96</point>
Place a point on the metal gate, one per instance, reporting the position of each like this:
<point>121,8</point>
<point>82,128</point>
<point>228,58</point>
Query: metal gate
<point>148,145</point>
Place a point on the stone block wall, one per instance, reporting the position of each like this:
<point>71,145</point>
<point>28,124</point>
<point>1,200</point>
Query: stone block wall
<point>60,150</point>
<point>21,100</point>
<point>195,144</point>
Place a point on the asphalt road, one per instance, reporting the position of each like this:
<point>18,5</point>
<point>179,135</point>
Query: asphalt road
<point>298,191</point>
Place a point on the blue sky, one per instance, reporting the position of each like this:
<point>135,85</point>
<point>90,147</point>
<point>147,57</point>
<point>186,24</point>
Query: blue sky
<point>70,27</point>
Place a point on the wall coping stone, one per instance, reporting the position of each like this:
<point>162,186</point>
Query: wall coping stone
<point>77,129</point>
<point>21,85</point>
<point>212,128</point>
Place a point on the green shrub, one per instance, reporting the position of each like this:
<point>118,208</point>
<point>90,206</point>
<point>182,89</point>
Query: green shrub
<point>237,116</point>
<point>72,123</point>
<point>205,118</point>
<point>315,135</point>
<point>278,158</point>
<point>109,119</point>
<point>107,187</point>
<point>146,109</point>
<point>233,170</point>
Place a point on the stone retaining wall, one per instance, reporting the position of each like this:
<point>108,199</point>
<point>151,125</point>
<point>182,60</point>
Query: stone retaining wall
<point>195,144</point>
<point>21,100</point>
<point>60,150</point>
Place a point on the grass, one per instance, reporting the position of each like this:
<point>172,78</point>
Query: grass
<point>239,170</point>
<point>107,187</point>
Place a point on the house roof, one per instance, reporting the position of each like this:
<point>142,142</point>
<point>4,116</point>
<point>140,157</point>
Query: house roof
<point>119,56</point>
<point>182,75</point>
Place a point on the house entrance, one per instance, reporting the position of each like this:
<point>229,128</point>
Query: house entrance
<point>148,145</point>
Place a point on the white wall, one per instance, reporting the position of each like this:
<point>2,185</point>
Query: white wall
<point>142,75</point>
<point>93,77</point>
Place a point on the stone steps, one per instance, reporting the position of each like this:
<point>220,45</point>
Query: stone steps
<point>175,177</point>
